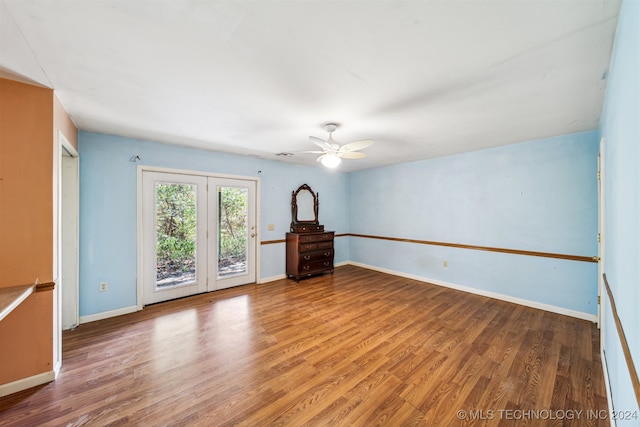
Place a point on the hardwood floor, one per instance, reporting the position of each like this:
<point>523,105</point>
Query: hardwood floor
<point>359,348</point>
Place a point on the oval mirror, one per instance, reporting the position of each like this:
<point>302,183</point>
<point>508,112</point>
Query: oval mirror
<point>305,202</point>
<point>304,206</point>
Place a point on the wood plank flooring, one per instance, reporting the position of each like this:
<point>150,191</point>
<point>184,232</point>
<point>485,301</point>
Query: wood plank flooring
<point>359,348</point>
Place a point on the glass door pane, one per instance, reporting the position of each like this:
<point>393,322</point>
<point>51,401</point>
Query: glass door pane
<point>175,234</point>
<point>233,231</point>
<point>232,248</point>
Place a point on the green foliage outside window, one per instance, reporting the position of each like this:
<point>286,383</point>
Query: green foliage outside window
<point>233,224</point>
<point>176,228</point>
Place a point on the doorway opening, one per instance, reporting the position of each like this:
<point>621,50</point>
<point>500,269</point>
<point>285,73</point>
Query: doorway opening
<point>66,253</point>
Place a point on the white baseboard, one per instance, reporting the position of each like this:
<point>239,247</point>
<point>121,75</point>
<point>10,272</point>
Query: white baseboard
<point>515,300</point>
<point>607,385</point>
<point>284,276</point>
<point>272,278</point>
<point>108,314</point>
<point>533,304</point>
<point>25,383</point>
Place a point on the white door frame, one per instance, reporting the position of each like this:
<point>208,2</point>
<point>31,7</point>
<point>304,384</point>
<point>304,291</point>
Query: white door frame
<point>140,234</point>
<point>69,222</point>
<point>65,246</point>
<point>601,239</point>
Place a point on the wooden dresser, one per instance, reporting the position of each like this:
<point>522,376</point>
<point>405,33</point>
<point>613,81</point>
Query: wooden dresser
<point>309,253</point>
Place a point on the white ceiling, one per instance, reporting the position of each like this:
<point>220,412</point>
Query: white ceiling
<point>422,78</point>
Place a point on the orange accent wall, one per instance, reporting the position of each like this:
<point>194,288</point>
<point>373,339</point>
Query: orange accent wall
<point>30,117</point>
<point>26,335</point>
<point>26,183</point>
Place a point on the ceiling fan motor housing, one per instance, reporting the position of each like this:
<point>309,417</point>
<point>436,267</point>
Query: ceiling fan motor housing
<point>330,127</point>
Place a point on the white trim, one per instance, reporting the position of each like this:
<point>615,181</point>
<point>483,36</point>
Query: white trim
<point>69,212</point>
<point>272,279</point>
<point>256,241</point>
<point>66,144</point>
<point>520,301</point>
<point>56,369</point>
<point>601,240</point>
<point>26,383</point>
<point>139,238</point>
<point>607,385</point>
<point>196,172</point>
<point>284,276</point>
<point>108,314</point>
<point>56,295</point>
<point>62,143</point>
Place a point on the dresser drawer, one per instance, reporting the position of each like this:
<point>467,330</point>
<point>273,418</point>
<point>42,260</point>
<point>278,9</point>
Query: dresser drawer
<point>325,245</point>
<point>325,236</point>
<point>315,237</point>
<point>317,255</point>
<point>316,266</point>
<point>307,238</point>
<point>307,247</point>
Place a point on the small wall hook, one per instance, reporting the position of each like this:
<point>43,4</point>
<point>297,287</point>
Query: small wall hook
<point>135,158</point>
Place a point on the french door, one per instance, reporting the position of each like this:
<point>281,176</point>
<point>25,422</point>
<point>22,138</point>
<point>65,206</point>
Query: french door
<point>198,234</point>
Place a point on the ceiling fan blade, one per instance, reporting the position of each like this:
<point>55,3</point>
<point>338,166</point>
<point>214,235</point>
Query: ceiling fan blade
<point>312,152</point>
<point>357,145</point>
<point>319,142</point>
<point>352,155</point>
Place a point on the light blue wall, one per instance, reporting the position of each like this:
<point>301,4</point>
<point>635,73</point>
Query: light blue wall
<point>620,128</point>
<point>537,196</point>
<point>488,198</point>
<point>108,208</point>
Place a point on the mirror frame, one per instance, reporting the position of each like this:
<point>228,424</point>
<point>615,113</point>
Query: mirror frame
<point>294,206</point>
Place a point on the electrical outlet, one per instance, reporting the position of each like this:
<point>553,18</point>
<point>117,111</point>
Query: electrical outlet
<point>104,286</point>
<point>271,227</point>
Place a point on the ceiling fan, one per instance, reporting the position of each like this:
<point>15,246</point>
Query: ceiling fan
<point>333,153</point>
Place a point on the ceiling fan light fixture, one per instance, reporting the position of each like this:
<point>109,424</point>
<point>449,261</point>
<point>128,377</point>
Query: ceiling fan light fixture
<point>331,161</point>
<point>332,153</point>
